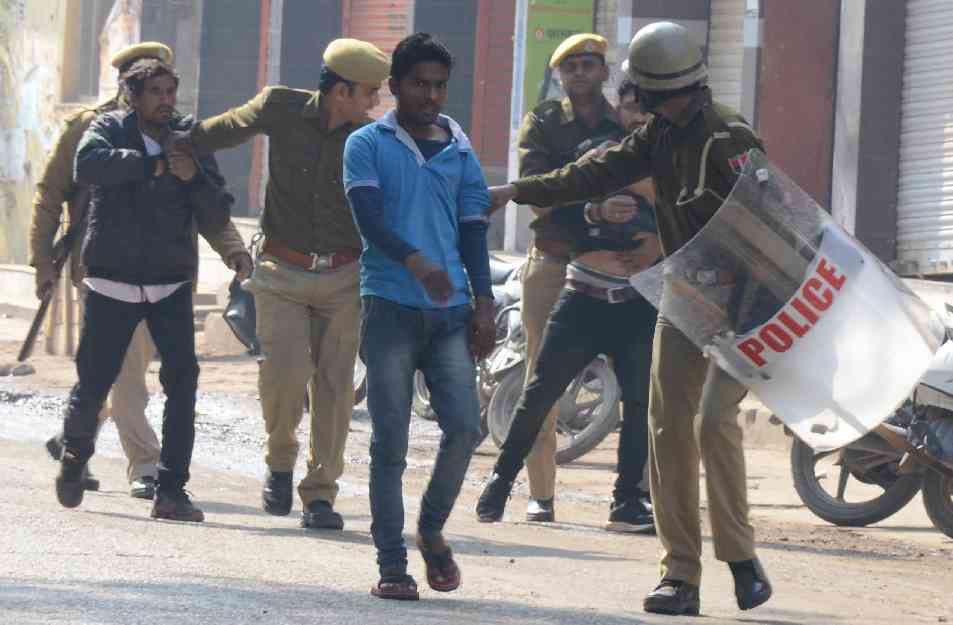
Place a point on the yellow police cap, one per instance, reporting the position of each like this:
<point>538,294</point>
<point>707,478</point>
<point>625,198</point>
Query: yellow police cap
<point>144,50</point>
<point>357,61</point>
<point>583,43</point>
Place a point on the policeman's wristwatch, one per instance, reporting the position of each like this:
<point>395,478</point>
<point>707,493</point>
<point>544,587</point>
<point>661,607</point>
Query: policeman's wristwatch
<point>587,213</point>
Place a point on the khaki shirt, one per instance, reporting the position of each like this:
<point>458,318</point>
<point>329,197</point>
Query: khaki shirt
<point>305,206</point>
<point>56,186</point>
<point>690,159</point>
<point>550,136</point>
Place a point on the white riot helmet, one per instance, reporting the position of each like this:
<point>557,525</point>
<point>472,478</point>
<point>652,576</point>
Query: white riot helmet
<point>664,57</point>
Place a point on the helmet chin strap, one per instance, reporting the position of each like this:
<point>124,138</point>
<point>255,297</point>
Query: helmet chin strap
<point>649,101</point>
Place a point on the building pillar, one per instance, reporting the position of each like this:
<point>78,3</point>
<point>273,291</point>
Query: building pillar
<point>867,122</point>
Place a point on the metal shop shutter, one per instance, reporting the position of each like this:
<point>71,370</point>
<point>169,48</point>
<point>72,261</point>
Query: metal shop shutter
<point>454,23</point>
<point>726,51</point>
<point>384,23</point>
<point>925,193</point>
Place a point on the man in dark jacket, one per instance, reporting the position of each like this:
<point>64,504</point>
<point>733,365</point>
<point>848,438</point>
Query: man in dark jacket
<point>140,258</point>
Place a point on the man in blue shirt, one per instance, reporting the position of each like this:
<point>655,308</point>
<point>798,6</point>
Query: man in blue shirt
<point>419,199</point>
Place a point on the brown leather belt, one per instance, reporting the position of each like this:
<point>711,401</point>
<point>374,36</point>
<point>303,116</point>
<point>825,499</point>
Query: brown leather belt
<point>616,295</point>
<point>312,262</point>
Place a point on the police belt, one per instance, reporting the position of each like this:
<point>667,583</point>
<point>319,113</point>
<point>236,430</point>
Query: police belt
<point>312,262</point>
<point>614,295</point>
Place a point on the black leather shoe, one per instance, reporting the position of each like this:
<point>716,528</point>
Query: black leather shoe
<point>540,511</point>
<point>631,516</point>
<point>673,597</point>
<point>752,587</point>
<point>54,447</point>
<point>277,493</point>
<point>69,482</point>
<point>492,500</point>
<point>320,515</point>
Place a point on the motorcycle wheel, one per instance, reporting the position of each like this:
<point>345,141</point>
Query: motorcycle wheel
<point>896,491</point>
<point>588,412</point>
<point>938,500</point>
<point>583,430</point>
<point>360,381</point>
<point>421,405</point>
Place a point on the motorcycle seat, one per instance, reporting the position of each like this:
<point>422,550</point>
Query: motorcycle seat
<point>500,270</point>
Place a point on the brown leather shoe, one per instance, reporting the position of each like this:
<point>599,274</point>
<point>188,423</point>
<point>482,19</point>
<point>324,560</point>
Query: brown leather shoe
<point>175,506</point>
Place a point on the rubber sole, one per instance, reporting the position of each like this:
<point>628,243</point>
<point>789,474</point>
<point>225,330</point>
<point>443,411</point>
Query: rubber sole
<point>630,528</point>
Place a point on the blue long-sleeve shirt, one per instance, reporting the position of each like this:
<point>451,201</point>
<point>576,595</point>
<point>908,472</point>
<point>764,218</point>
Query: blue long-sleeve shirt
<point>434,206</point>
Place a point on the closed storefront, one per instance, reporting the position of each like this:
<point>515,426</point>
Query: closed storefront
<point>382,22</point>
<point>726,51</point>
<point>308,26</point>
<point>454,22</point>
<point>925,188</point>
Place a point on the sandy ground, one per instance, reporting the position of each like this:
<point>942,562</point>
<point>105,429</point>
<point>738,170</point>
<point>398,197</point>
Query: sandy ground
<point>107,562</point>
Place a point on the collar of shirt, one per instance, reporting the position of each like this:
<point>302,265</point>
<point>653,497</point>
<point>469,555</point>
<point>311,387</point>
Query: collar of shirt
<point>568,115</point>
<point>312,111</point>
<point>389,123</point>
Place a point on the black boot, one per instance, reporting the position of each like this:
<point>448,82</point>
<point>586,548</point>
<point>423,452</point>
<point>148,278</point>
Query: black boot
<point>277,493</point>
<point>752,587</point>
<point>673,597</point>
<point>320,515</point>
<point>54,447</point>
<point>69,482</point>
<point>492,501</point>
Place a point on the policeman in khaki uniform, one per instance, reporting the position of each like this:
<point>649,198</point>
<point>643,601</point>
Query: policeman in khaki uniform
<point>549,138</point>
<point>129,395</point>
<point>306,280</point>
<point>687,147</point>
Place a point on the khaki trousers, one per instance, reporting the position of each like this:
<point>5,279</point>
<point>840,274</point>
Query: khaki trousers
<point>693,412</point>
<point>307,324</point>
<point>543,279</point>
<point>127,403</point>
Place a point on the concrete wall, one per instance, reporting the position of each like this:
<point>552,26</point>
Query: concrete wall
<point>798,80</point>
<point>31,58</point>
<point>867,122</point>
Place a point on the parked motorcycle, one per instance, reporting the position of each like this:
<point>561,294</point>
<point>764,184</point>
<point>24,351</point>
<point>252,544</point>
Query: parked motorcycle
<point>885,469</point>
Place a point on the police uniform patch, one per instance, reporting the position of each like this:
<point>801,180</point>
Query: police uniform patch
<point>738,162</point>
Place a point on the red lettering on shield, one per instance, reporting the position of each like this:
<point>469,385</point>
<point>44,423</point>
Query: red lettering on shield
<point>752,348</point>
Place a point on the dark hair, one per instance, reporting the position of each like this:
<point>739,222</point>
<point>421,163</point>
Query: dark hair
<point>329,78</point>
<point>627,87</point>
<point>133,80</point>
<point>418,48</point>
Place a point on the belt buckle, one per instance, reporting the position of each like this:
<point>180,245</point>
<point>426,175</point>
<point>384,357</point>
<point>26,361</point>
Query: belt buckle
<point>617,294</point>
<point>320,262</point>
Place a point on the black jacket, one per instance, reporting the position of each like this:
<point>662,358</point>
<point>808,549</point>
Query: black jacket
<point>139,225</point>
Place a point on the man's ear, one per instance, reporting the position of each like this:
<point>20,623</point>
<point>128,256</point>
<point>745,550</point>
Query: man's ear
<point>392,85</point>
<point>338,91</point>
<point>604,73</point>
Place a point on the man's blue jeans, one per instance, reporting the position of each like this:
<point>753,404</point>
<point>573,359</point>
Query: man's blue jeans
<point>396,341</point>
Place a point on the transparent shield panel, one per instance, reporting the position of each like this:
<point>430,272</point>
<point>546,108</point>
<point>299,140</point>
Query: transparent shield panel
<point>795,308</point>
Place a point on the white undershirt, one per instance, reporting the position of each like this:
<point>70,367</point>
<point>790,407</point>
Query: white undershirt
<point>133,293</point>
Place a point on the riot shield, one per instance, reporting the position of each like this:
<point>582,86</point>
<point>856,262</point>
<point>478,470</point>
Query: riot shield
<point>792,306</point>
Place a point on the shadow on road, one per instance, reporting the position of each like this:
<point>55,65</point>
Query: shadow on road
<point>212,600</point>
